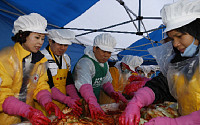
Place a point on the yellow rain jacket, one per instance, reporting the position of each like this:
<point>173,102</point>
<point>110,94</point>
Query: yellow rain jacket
<point>11,79</point>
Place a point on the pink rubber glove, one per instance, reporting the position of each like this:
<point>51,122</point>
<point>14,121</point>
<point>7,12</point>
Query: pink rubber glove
<point>72,92</point>
<point>138,78</point>
<point>131,115</point>
<point>87,93</point>
<point>108,88</point>
<point>191,119</point>
<point>133,87</point>
<point>72,103</point>
<point>13,106</point>
<point>51,107</point>
<point>44,98</point>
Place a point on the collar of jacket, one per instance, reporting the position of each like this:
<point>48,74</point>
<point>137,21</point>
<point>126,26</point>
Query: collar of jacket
<point>22,53</point>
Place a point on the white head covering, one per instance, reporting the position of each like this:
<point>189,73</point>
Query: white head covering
<point>132,61</point>
<point>61,36</point>
<point>33,22</point>
<point>105,42</point>
<point>146,69</point>
<point>180,13</point>
<point>154,67</point>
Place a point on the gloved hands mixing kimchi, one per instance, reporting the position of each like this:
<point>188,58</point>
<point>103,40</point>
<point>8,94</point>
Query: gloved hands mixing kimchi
<point>108,88</point>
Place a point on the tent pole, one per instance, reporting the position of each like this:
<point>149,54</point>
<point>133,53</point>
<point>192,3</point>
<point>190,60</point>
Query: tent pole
<point>139,15</point>
<point>6,11</point>
<point>13,7</point>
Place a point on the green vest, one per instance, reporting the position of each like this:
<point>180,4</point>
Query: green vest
<point>100,73</point>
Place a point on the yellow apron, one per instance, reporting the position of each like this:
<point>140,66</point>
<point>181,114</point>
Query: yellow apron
<point>184,85</point>
<point>59,81</point>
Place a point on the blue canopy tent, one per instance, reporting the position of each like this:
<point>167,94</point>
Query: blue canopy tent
<point>139,48</point>
<point>58,13</point>
<point>61,12</point>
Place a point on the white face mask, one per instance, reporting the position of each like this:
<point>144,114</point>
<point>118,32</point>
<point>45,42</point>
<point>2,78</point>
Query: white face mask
<point>142,75</point>
<point>126,71</point>
<point>190,50</point>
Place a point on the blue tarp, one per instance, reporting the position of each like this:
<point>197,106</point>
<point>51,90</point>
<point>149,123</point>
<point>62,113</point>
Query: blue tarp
<point>57,12</point>
<point>75,51</point>
<point>139,48</point>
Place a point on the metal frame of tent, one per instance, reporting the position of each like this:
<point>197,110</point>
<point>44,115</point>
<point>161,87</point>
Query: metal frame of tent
<point>136,18</point>
<point>139,18</point>
<point>140,48</point>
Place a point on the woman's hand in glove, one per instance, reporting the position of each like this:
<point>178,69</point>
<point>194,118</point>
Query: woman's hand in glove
<point>51,107</point>
<point>118,96</point>
<point>108,88</point>
<point>95,109</point>
<point>87,93</point>
<point>36,117</point>
<point>72,103</point>
<point>12,106</point>
<point>131,115</point>
<point>75,105</point>
<point>191,119</point>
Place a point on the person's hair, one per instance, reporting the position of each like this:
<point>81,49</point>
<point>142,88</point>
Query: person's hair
<point>20,36</point>
<point>53,41</point>
<point>192,28</point>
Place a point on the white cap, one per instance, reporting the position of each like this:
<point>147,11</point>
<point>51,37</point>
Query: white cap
<point>154,68</point>
<point>132,61</point>
<point>180,13</point>
<point>146,69</point>
<point>61,36</point>
<point>105,42</point>
<point>33,22</point>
